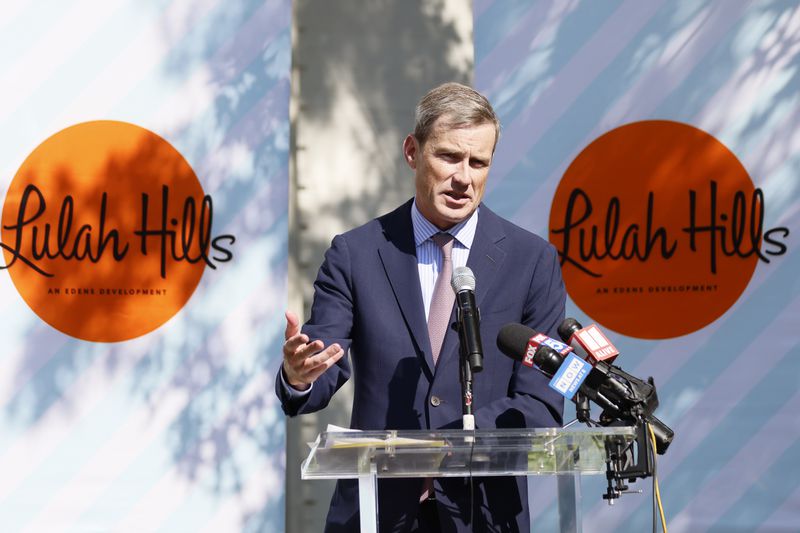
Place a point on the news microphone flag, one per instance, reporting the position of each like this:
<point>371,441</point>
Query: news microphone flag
<point>540,339</point>
<point>570,376</point>
<point>596,343</point>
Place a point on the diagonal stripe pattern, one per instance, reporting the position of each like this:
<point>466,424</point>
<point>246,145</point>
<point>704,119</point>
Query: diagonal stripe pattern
<point>555,93</point>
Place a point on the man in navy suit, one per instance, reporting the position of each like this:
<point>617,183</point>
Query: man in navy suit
<point>372,298</point>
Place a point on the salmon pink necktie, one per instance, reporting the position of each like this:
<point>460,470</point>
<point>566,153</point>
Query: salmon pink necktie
<point>443,296</point>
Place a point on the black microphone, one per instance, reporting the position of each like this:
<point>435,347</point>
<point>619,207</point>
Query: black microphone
<point>469,330</point>
<point>620,394</point>
<point>515,340</point>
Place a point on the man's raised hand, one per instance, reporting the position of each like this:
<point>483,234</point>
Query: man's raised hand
<point>304,361</point>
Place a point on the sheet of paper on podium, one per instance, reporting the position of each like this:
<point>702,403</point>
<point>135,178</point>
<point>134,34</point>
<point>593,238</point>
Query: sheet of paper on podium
<point>357,442</point>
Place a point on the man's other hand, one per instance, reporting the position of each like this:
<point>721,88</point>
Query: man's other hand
<point>304,361</point>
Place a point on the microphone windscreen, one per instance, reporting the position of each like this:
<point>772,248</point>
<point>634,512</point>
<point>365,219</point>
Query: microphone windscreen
<point>513,340</point>
<point>568,328</point>
<point>463,279</point>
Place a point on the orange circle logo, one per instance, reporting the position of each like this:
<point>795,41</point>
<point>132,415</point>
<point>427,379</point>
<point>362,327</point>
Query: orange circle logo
<point>658,228</point>
<point>106,231</point>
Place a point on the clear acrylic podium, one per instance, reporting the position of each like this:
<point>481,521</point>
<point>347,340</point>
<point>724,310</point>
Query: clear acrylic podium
<point>368,455</point>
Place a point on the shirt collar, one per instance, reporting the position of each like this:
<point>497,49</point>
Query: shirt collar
<point>463,232</point>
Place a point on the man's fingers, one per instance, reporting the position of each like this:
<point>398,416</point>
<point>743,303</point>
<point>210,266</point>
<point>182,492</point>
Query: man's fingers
<point>324,364</point>
<point>292,325</point>
<point>302,355</point>
<point>317,364</point>
<point>325,355</point>
<point>297,343</point>
<point>302,352</point>
<point>305,361</point>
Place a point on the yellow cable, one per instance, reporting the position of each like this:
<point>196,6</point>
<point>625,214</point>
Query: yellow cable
<point>655,481</point>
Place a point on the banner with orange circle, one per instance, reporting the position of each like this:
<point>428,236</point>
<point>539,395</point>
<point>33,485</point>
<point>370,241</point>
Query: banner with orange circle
<point>659,229</point>
<point>655,146</point>
<point>106,231</point>
<point>143,197</point>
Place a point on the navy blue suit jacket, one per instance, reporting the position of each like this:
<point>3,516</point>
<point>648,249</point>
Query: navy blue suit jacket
<point>368,299</point>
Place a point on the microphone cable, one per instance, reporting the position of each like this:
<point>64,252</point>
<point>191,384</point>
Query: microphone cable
<point>472,482</point>
<point>656,492</point>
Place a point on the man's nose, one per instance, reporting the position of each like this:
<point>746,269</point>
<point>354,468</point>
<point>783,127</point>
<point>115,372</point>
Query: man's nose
<point>461,174</point>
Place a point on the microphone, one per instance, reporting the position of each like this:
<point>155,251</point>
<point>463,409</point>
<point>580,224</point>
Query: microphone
<point>520,342</point>
<point>588,342</point>
<point>513,341</point>
<point>463,283</point>
<point>524,344</point>
<point>621,395</point>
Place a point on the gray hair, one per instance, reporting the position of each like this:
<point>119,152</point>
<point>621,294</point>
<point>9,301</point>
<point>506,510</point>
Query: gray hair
<point>463,106</point>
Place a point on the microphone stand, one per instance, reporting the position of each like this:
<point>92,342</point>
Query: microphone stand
<point>582,410</point>
<point>465,363</point>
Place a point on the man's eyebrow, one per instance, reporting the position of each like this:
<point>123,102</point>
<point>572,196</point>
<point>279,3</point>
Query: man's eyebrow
<point>449,148</point>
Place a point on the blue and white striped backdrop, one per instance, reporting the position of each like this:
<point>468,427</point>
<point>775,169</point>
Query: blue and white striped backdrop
<point>177,430</point>
<point>561,73</point>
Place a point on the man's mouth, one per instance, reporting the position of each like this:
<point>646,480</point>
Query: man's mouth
<point>457,197</point>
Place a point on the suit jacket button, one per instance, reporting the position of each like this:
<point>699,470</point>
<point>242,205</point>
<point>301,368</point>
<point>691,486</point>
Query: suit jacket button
<point>435,401</point>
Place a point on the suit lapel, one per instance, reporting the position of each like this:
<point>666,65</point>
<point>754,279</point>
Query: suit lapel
<point>399,257</point>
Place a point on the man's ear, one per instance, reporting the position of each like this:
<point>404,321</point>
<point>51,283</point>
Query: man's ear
<point>411,151</point>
